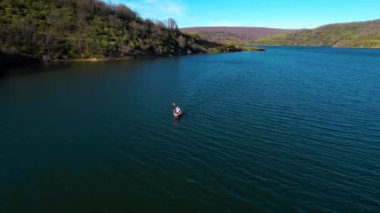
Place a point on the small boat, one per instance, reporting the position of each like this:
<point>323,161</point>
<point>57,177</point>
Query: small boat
<point>177,113</point>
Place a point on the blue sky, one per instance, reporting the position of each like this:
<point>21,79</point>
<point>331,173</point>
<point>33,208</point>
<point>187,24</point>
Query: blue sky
<point>258,13</point>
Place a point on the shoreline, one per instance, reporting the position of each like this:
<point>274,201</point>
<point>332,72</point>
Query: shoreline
<point>14,60</point>
<point>337,47</point>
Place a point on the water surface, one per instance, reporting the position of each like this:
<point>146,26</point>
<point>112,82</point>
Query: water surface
<point>287,129</point>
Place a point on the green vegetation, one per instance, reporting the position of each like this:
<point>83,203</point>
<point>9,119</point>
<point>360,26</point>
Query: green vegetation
<point>80,29</point>
<point>237,36</point>
<point>360,35</point>
<point>223,37</point>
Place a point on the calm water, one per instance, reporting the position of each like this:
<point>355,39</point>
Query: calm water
<point>288,129</point>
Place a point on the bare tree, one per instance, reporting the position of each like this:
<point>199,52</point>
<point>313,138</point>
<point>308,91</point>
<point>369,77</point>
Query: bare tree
<point>124,12</point>
<point>172,24</point>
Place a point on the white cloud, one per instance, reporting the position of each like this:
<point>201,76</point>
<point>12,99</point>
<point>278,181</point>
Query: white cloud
<point>154,9</point>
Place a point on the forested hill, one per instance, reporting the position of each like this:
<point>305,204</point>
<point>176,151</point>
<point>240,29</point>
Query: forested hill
<point>234,34</point>
<point>358,34</point>
<point>80,29</point>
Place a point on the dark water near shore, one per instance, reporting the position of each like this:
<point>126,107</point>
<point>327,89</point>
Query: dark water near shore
<point>288,129</point>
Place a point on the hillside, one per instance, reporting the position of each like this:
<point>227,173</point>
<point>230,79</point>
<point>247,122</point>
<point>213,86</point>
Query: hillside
<point>358,34</point>
<point>233,34</point>
<point>80,29</point>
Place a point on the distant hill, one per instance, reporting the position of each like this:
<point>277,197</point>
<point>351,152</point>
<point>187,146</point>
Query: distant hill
<point>234,34</point>
<point>357,34</point>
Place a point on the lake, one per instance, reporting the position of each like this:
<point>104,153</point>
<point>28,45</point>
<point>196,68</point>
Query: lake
<point>290,129</point>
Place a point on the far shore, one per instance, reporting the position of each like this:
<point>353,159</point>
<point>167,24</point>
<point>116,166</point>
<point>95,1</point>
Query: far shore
<point>337,47</point>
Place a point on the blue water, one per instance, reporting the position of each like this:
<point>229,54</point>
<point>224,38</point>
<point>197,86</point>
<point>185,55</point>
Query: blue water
<point>290,129</point>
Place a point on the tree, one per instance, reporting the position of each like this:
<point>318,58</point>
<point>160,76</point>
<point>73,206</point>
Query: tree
<point>72,29</point>
<point>182,42</point>
<point>172,24</point>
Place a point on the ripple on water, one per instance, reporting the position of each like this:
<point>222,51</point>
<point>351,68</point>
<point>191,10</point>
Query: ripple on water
<point>288,129</point>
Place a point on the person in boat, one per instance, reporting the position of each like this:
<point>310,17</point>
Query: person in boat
<point>177,110</point>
